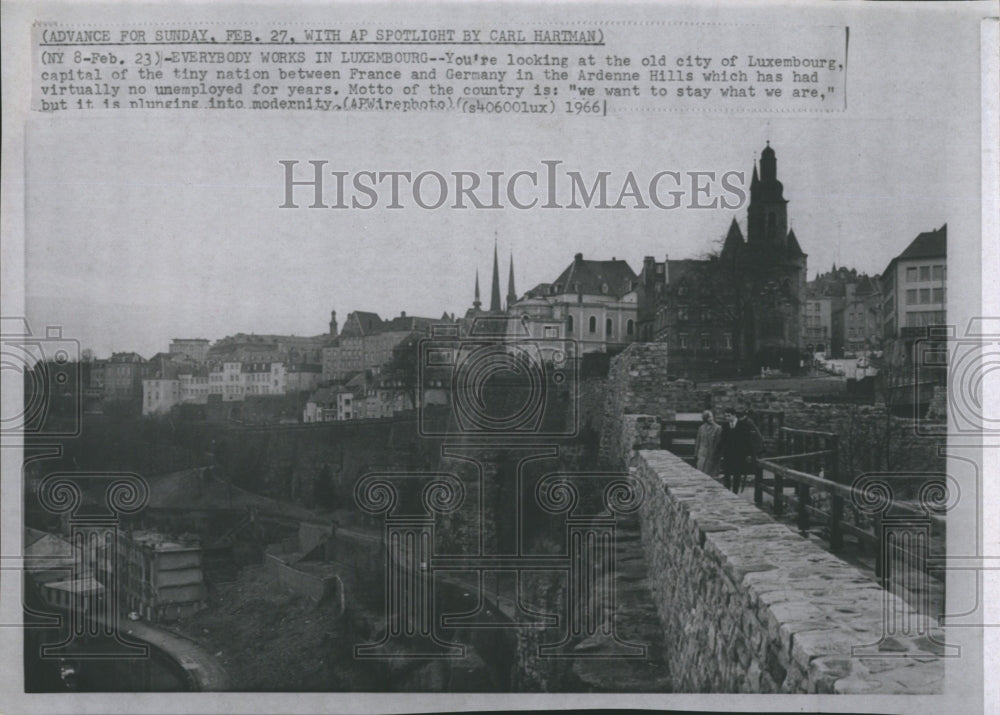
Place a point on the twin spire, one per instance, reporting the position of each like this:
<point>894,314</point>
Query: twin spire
<point>495,304</point>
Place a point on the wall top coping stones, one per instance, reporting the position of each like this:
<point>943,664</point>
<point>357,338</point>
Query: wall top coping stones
<point>825,610</point>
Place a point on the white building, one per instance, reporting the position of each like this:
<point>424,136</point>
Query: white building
<point>594,303</point>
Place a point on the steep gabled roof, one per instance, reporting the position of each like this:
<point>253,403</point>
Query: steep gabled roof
<point>794,249</point>
<point>590,277</point>
<point>360,322</point>
<point>929,244</point>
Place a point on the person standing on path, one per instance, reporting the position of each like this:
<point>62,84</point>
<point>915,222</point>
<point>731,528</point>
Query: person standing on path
<point>706,444</point>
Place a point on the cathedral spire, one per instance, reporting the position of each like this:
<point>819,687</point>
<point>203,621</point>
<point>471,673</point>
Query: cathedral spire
<point>476,303</point>
<point>511,293</point>
<point>495,306</point>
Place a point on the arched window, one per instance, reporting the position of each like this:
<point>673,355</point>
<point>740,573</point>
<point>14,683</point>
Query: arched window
<point>609,327</point>
<point>593,324</point>
<point>630,327</point>
<point>569,324</point>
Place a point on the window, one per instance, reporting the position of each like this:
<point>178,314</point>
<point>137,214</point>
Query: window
<point>925,295</point>
<point>938,273</point>
<point>937,295</point>
<point>706,341</point>
<point>551,331</point>
<point>604,288</point>
<point>593,324</point>
<point>925,273</point>
<point>609,327</point>
<point>911,275</point>
<point>682,314</point>
<point>682,290</point>
<point>911,296</point>
<point>630,327</point>
<point>569,324</point>
<point>684,340</point>
<point>728,342</point>
<point>659,268</point>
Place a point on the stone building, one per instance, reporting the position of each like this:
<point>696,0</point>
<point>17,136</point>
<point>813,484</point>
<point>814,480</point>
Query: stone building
<point>123,375</point>
<point>592,302</point>
<point>159,577</point>
<point>743,307</point>
<point>194,348</point>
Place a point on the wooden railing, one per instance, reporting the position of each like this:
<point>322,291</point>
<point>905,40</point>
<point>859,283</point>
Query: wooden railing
<point>807,465</point>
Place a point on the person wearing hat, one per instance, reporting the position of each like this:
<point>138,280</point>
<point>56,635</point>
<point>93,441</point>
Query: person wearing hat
<point>742,444</point>
<point>706,444</point>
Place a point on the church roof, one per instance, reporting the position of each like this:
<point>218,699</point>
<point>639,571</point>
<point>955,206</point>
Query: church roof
<point>589,277</point>
<point>794,249</point>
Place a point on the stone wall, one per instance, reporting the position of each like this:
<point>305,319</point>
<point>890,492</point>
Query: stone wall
<point>750,606</point>
<point>638,383</point>
<point>316,586</point>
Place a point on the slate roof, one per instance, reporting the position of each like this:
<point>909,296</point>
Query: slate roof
<point>929,244</point>
<point>590,276</point>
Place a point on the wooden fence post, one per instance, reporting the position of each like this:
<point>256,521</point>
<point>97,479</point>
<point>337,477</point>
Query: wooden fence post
<point>779,497</point>
<point>836,516</point>
<point>802,492</point>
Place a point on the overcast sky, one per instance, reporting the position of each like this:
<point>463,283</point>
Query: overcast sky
<point>145,229</point>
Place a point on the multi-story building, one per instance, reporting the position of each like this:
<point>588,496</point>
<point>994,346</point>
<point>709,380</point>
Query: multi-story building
<point>862,316</point>
<point>263,378</point>
<point>302,377</point>
<point>158,577</point>
<point>366,342</point>
<point>194,348</point>
<point>913,286</point>
<point>123,374</point>
<point>818,325</point>
<point>194,386</point>
<point>592,302</point>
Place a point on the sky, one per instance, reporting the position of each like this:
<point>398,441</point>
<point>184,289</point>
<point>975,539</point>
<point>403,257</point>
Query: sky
<point>144,229</point>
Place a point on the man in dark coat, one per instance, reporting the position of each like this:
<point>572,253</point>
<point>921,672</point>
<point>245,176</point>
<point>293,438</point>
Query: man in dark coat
<point>742,443</point>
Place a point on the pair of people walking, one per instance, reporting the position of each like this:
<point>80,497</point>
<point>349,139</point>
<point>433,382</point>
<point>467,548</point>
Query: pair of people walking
<point>732,447</point>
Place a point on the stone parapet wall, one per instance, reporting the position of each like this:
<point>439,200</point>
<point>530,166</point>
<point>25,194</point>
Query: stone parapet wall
<point>748,605</point>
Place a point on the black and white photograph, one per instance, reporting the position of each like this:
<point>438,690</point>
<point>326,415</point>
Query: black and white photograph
<point>407,357</point>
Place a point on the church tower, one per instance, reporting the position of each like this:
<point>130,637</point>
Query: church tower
<point>511,293</point>
<point>477,304</point>
<point>495,305</point>
<point>767,213</point>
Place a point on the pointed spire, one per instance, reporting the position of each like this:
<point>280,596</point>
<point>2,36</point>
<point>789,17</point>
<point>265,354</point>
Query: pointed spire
<point>476,303</point>
<point>756,179</point>
<point>495,306</point>
<point>511,293</point>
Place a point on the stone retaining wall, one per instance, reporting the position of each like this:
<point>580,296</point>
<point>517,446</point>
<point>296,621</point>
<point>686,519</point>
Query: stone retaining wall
<point>315,586</point>
<point>748,605</point>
